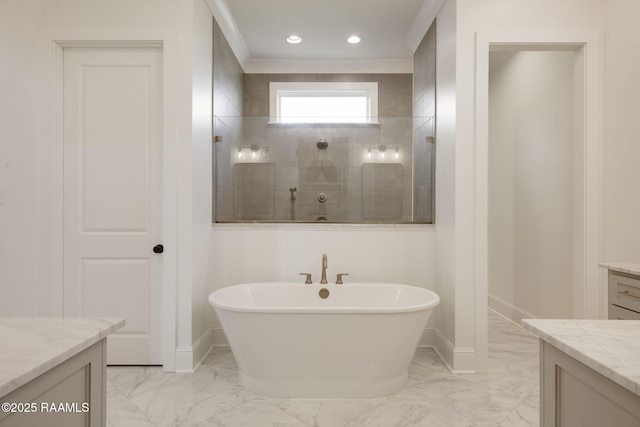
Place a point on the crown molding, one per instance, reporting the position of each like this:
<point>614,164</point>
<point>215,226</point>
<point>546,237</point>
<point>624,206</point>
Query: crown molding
<point>425,17</point>
<point>222,14</point>
<point>382,66</point>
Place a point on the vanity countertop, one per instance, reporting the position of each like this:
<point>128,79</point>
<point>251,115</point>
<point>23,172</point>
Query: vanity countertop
<point>610,347</point>
<point>30,347</point>
<point>622,267</point>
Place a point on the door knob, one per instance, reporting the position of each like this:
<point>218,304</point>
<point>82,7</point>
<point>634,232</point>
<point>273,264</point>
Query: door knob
<point>158,249</point>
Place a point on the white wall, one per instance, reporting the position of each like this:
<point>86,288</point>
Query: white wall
<point>621,129</point>
<point>173,23</point>
<point>202,184</point>
<point>19,172</point>
<point>532,187</point>
<point>257,253</point>
<point>29,223</point>
<point>445,205</point>
<point>464,330</point>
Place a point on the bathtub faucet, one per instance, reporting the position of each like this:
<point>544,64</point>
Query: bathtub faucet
<point>325,264</point>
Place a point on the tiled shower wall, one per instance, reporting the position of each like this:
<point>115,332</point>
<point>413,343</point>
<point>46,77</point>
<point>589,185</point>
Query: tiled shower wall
<point>227,121</point>
<point>359,187</point>
<point>424,109</point>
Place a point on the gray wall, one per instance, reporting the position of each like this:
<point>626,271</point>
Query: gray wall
<point>394,91</point>
<point>424,109</point>
<point>227,123</point>
<point>353,195</point>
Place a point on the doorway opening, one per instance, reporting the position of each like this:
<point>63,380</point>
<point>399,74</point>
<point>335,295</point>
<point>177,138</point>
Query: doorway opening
<point>536,183</point>
<point>527,172</point>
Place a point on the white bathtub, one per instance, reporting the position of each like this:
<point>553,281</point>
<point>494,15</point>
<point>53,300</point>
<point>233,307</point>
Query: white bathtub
<point>290,342</point>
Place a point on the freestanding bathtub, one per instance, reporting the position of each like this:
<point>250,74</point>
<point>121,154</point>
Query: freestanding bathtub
<point>357,341</point>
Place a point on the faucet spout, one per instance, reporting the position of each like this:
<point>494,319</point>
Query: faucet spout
<point>325,264</point>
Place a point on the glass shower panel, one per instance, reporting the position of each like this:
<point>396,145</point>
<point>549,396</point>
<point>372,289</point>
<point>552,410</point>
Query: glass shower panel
<point>254,191</point>
<point>338,173</point>
<point>382,191</point>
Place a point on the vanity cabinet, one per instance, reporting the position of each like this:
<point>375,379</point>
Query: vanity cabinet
<point>574,395</point>
<point>624,296</point>
<point>53,370</point>
<point>589,374</point>
<point>72,394</point>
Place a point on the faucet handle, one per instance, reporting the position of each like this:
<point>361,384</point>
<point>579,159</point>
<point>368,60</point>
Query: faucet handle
<point>339,278</point>
<point>308,278</point>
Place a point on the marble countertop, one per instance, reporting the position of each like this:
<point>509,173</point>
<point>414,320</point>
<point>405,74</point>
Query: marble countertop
<point>622,267</point>
<point>610,347</point>
<point>31,346</point>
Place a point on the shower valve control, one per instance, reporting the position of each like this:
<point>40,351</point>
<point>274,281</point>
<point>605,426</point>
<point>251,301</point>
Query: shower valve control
<point>322,197</point>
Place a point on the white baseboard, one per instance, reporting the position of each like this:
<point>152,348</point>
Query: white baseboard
<point>427,339</point>
<point>219,338</point>
<point>457,360</point>
<point>184,360</point>
<point>509,311</point>
<point>188,358</point>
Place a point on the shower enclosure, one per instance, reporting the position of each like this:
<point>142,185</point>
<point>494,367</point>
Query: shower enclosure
<point>359,149</point>
<point>338,173</point>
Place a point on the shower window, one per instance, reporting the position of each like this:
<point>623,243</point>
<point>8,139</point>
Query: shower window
<point>323,102</point>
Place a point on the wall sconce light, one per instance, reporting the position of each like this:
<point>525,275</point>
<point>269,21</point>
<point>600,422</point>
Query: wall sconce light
<point>382,152</point>
<point>253,151</point>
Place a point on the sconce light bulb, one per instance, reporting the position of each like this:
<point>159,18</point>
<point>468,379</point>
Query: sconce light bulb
<point>369,153</point>
<point>397,153</point>
<point>382,149</point>
<point>239,153</point>
<point>254,149</point>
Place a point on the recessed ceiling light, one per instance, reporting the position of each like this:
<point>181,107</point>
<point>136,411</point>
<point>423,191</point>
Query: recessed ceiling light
<point>293,39</point>
<point>354,39</point>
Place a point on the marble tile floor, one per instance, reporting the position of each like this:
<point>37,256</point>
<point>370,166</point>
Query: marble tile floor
<point>508,395</point>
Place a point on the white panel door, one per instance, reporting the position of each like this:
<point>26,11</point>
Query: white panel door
<point>112,194</point>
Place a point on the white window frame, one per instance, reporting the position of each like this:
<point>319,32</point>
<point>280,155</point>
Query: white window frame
<point>368,89</point>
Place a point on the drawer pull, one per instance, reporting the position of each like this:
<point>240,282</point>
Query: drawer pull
<point>628,294</point>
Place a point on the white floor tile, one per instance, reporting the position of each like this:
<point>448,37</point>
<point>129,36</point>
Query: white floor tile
<point>508,395</point>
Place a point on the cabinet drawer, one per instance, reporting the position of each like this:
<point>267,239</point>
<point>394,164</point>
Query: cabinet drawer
<point>624,291</point>
<point>620,313</point>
